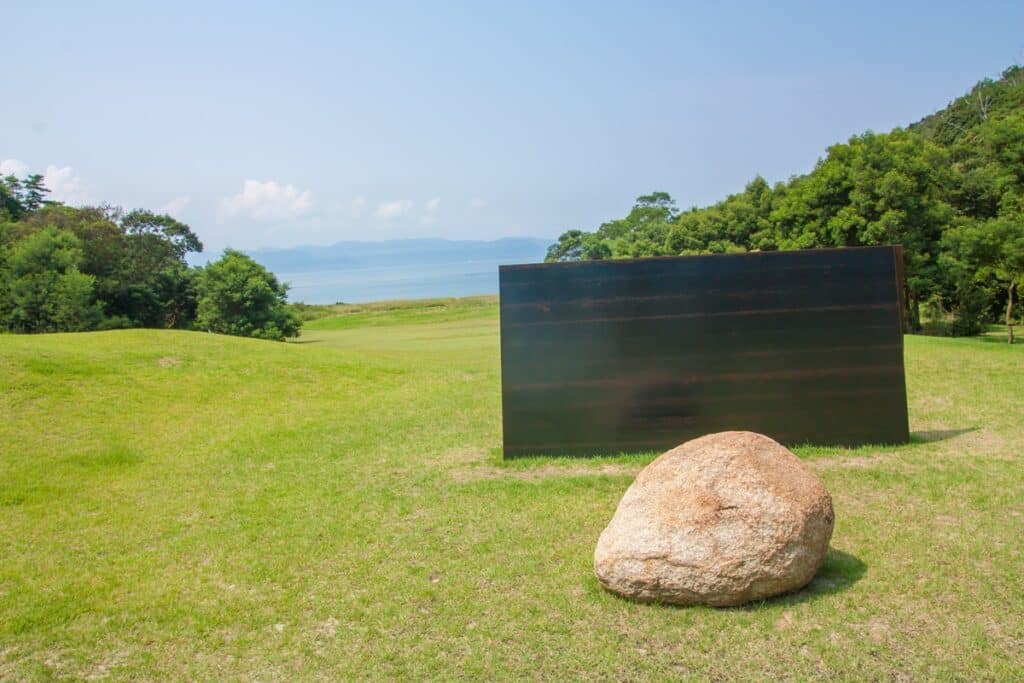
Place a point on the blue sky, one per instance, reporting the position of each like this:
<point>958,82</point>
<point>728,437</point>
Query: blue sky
<point>274,124</point>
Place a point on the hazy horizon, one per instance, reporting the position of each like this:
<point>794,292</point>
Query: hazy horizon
<point>276,127</point>
<point>424,238</point>
<point>360,271</point>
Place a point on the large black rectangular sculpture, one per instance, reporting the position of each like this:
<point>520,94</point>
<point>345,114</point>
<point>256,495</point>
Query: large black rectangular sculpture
<point>635,355</point>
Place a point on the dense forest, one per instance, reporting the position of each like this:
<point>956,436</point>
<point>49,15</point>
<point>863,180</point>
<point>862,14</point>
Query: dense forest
<point>68,269</point>
<point>949,188</point>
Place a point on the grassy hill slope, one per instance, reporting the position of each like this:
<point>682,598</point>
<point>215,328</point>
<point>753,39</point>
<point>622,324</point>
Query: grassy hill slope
<point>184,505</point>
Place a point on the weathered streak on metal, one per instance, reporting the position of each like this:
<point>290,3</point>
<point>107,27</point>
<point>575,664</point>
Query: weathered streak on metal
<point>626,355</point>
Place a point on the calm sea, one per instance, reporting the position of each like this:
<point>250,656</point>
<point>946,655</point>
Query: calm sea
<point>359,285</point>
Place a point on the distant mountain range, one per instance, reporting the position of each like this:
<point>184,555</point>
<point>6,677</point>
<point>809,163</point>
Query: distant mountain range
<point>419,252</point>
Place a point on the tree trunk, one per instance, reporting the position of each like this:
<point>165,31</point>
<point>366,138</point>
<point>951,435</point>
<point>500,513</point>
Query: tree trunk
<point>1009,313</point>
<point>913,322</point>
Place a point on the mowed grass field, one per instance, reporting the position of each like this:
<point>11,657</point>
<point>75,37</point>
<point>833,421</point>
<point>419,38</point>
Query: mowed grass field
<point>189,506</point>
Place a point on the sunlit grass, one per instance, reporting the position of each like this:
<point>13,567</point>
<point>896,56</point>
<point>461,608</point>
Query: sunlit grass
<point>190,506</point>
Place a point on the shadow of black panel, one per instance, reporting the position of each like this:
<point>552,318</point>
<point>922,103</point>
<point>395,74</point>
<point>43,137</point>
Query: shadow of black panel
<point>627,355</point>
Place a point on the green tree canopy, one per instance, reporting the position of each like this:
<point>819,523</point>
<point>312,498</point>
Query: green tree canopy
<point>240,297</point>
<point>576,245</point>
<point>137,259</point>
<point>982,251</point>
<point>41,288</point>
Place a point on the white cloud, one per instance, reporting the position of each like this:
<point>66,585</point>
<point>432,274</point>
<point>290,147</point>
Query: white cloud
<point>176,205</point>
<point>267,201</point>
<point>64,185</point>
<point>394,209</point>
<point>477,203</point>
<point>433,204</point>
<point>13,167</point>
<point>61,181</point>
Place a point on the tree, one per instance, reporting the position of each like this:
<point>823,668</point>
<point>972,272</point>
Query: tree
<point>34,192</point>
<point>576,245</point>
<point>10,204</point>
<point>156,285</point>
<point>240,297</point>
<point>738,223</point>
<point>992,249</point>
<point>138,260</point>
<point>876,189</point>
<point>984,248</point>
<point>642,232</point>
<point>42,289</point>
<point>164,230</point>
<point>20,197</point>
<point>989,100</point>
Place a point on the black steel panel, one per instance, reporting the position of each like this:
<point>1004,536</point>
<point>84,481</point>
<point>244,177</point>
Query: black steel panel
<point>626,355</point>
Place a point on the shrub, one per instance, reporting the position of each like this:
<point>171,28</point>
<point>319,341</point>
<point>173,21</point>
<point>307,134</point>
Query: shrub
<point>240,297</point>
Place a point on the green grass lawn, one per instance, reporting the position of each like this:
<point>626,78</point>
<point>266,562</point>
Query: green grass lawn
<point>184,505</point>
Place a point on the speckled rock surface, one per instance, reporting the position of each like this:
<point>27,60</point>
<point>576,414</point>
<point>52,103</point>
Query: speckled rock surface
<point>720,520</point>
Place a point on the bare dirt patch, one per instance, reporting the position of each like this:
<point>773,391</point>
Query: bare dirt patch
<point>947,443</point>
<point>854,461</point>
<point>469,465</point>
<point>169,362</point>
<point>328,628</point>
<point>7,660</point>
<point>104,667</point>
<point>548,471</point>
<point>462,457</point>
<point>474,464</point>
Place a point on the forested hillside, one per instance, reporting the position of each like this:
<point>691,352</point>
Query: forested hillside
<point>949,188</point>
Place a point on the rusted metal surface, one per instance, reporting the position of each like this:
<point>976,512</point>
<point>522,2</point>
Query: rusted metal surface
<point>627,355</point>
